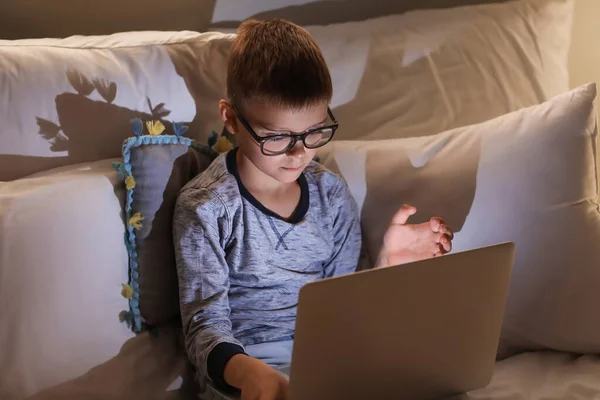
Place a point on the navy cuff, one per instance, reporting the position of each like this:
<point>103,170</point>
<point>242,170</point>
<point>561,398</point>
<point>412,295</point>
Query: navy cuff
<point>218,359</point>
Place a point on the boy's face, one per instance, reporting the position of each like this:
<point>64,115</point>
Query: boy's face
<point>266,121</point>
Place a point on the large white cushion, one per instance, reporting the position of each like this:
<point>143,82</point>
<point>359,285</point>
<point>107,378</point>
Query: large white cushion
<point>404,75</point>
<point>62,263</point>
<point>527,177</point>
<point>51,106</point>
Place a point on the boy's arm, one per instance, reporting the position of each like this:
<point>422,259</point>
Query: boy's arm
<point>347,237</point>
<point>200,225</point>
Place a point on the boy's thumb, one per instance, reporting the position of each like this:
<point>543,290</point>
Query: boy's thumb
<point>403,214</point>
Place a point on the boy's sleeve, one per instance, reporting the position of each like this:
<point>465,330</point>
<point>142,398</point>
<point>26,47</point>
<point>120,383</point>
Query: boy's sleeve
<point>200,226</point>
<point>347,237</point>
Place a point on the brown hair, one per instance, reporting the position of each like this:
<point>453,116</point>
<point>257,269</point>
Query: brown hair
<point>277,62</point>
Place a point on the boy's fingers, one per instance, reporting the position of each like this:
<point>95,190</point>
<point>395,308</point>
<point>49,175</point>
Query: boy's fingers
<point>250,397</point>
<point>438,250</point>
<point>436,223</point>
<point>402,215</point>
<point>445,242</point>
<point>267,396</point>
<point>447,231</point>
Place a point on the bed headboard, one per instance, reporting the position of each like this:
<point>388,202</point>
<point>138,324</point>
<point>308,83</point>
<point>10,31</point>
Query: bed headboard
<point>61,18</point>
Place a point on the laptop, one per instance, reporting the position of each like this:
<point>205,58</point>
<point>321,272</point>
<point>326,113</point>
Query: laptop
<point>424,330</point>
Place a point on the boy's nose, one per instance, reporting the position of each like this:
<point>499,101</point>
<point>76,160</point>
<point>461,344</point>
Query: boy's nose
<point>298,149</point>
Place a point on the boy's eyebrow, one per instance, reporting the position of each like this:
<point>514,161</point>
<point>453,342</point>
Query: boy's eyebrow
<point>274,129</point>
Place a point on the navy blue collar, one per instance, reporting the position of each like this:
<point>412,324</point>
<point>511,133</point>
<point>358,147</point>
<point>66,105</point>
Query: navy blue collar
<point>299,212</point>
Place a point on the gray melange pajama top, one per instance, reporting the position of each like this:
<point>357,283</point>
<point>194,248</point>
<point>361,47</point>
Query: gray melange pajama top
<point>241,266</point>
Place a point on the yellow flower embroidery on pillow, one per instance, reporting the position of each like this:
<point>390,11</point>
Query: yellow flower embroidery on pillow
<point>127,291</point>
<point>136,221</point>
<point>155,128</point>
<point>129,182</point>
<point>223,145</point>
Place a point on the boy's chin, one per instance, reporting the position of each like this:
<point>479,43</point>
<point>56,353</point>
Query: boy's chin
<point>285,175</point>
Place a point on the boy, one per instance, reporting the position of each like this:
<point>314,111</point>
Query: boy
<point>264,219</point>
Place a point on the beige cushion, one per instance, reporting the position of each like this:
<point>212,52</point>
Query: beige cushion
<point>62,263</point>
<point>527,177</point>
<point>428,71</point>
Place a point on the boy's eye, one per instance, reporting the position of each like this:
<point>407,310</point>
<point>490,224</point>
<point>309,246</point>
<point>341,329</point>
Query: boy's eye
<point>269,134</point>
<point>277,138</point>
<point>275,134</point>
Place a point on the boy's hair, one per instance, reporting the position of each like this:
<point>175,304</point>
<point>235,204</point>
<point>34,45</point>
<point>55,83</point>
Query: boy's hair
<point>277,62</point>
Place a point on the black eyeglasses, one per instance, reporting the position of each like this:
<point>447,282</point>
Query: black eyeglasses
<point>280,143</point>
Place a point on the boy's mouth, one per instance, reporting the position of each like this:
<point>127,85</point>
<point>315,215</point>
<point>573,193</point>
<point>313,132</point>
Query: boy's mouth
<point>292,169</point>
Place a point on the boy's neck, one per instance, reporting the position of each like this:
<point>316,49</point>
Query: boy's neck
<point>286,201</point>
<point>258,182</point>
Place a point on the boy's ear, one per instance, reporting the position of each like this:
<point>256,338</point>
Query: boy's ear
<point>228,116</point>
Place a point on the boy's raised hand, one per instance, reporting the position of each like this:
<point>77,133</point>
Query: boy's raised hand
<point>404,242</point>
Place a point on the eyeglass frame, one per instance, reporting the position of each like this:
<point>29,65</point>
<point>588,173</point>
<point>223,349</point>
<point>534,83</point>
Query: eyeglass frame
<point>295,137</point>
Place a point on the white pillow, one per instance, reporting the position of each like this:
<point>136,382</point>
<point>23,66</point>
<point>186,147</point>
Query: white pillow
<point>62,263</point>
<point>428,71</point>
<point>50,118</point>
<point>527,177</point>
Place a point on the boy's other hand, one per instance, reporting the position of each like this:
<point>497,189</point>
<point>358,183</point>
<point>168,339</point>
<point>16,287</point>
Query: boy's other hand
<point>405,243</point>
<point>256,379</point>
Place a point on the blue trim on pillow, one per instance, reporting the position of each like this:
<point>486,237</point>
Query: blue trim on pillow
<point>133,142</point>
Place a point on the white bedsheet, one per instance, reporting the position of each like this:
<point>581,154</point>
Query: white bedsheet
<point>156,368</point>
<point>543,375</point>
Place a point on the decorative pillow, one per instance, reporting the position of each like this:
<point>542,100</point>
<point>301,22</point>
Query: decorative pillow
<point>62,262</point>
<point>66,101</point>
<point>526,177</point>
<point>155,169</point>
